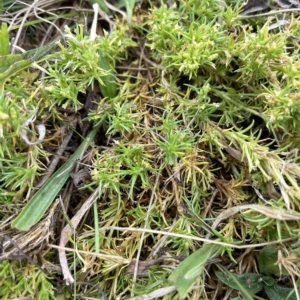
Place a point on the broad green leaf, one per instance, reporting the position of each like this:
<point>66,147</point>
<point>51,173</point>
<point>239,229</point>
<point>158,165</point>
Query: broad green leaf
<point>248,284</point>
<point>40,202</point>
<point>276,292</point>
<point>187,271</point>
<point>4,39</point>
<point>267,259</point>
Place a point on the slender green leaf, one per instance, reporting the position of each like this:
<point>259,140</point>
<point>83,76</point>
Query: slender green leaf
<point>108,88</point>
<point>101,4</point>
<point>40,202</point>
<point>187,271</point>
<point>4,39</point>
<point>129,4</point>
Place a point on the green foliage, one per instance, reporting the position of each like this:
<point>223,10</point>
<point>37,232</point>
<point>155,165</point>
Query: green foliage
<point>185,47</point>
<point>196,114</point>
<point>124,161</point>
<point>250,284</point>
<point>24,280</point>
<point>174,141</point>
<point>10,64</point>
<point>18,169</point>
<point>128,4</point>
<point>83,63</point>
<point>267,260</point>
<point>41,201</point>
<point>184,276</point>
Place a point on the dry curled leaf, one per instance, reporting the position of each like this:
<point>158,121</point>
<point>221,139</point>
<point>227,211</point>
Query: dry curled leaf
<point>41,129</point>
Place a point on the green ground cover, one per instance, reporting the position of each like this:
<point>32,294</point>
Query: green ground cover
<point>152,155</point>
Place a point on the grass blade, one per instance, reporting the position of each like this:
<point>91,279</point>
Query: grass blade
<point>40,202</point>
<point>4,40</point>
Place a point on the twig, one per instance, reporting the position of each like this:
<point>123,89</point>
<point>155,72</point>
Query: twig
<point>22,25</point>
<point>270,13</point>
<point>208,207</point>
<point>195,238</point>
<point>158,246</point>
<point>100,291</point>
<point>67,231</point>
<point>143,232</point>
